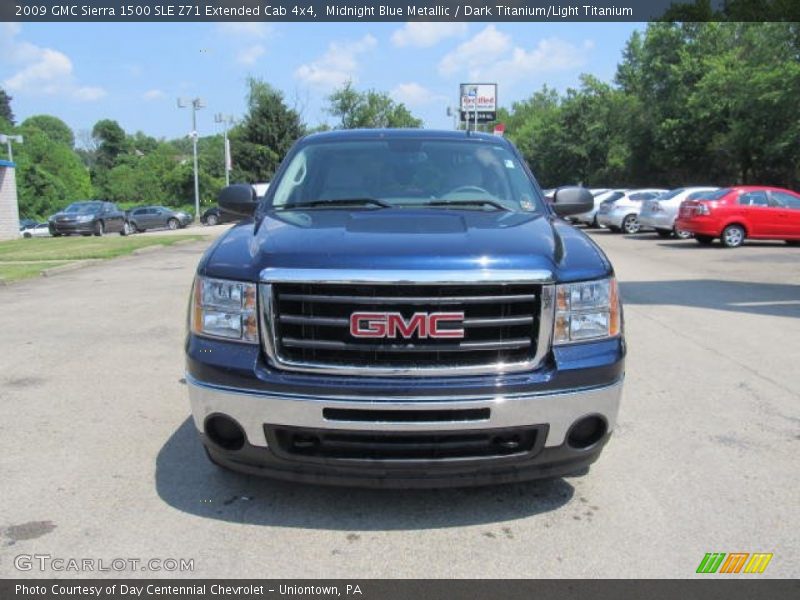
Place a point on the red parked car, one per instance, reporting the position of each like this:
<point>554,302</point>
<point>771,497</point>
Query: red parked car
<point>735,213</point>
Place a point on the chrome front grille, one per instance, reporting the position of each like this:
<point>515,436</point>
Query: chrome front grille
<point>306,327</point>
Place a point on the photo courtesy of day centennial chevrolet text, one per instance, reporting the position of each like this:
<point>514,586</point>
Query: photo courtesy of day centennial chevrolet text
<point>403,308</point>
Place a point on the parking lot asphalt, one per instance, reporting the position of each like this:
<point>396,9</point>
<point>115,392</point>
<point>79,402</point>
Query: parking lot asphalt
<point>100,459</point>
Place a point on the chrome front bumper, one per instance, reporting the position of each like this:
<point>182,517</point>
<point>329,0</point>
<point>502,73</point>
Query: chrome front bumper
<point>252,410</point>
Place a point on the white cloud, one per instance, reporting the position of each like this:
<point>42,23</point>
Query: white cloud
<point>338,65</point>
<point>492,56</point>
<point>482,49</point>
<point>41,70</point>
<point>414,94</point>
<point>424,34</point>
<point>249,55</point>
<point>153,95</point>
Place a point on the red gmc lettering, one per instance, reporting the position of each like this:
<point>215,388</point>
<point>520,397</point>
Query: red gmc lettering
<point>393,324</point>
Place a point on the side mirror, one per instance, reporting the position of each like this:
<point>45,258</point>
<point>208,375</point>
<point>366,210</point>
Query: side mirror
<point>572,201</point>
<point>239,199</point>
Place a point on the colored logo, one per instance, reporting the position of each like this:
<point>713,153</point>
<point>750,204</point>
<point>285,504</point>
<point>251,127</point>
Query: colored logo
<point>735,562</point>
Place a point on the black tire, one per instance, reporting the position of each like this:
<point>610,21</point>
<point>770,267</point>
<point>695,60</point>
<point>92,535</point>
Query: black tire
<point>733,236</point>
<point>99,228</point>
<point>212,220</point>
<point>27,235</point>
<point>631,225</point>
<point>792,242</point>
<point>173,224</point>
<point>663,233</point>
<point>54,234</point>
<point>703,240</point>
<point>126,229</point>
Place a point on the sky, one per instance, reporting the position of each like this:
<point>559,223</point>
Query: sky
<point>134,72</point>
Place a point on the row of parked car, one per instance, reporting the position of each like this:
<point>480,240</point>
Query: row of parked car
<point>731,214</point>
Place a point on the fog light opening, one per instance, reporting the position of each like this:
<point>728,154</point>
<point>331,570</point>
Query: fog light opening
<point>225,432</point>
<point>586,432</point>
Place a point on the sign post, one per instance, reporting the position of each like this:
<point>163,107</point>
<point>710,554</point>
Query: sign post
<point>478,103</point>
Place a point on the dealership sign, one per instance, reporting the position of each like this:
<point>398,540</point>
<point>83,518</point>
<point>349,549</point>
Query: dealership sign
<point>480,96</point>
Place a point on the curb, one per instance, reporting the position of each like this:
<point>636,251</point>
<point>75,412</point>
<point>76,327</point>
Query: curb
<point>73,266</point>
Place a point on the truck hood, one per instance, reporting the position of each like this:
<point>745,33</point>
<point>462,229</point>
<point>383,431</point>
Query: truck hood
<point>408,239</point>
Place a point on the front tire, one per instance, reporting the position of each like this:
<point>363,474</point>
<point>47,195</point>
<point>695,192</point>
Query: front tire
<point>172,224</point>
<point>27,235</point>
<point>733,236</point>
<point>631,225</point>
<point>212,220</point>
<point>792,242</point>
<point>99,228</point>
<point>126,229</point>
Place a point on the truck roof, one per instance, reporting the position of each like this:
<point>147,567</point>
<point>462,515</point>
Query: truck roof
<point>407,133</point>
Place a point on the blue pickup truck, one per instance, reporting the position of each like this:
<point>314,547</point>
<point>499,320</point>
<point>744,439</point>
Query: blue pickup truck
<point>404,309</point>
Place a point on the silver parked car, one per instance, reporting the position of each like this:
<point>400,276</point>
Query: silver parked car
<point>154,217</point>
<point>623,212</point>
<point>600,196</point>
<point>660,214</point>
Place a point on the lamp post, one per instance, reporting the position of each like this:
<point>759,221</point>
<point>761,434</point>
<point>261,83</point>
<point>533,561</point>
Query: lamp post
<point>195,104</point>
<point>226,120</point>
<point>7,139</point>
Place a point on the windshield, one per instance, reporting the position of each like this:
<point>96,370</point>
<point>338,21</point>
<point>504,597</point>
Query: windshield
<point>406,173</point>
<point>715,195</point>
<point>83,207</point>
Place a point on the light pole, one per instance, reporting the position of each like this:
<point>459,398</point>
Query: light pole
<point>196,104</point>
<point>226,120</point>
<point>453,111</point>
<point>7,139</point>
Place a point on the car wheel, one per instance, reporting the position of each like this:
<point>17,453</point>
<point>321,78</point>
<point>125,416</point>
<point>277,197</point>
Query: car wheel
<point>703,240</point>
<point>792,242</point>
<point>26,235</point>
<point>126,229</point>
<point>663,233</point>
<point>733,236</point>
<point>683,235</point>
<point>54,234</point>
<point>99,228</point>
<point>172,224</point>
<point>630,224</point>
<point>211,220</point>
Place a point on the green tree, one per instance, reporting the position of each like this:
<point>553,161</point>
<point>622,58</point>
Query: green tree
<point>268,130</point>
<point>5,107</point>
<point>111,143</point>
<point>54,128</point>
<point>370,109</point>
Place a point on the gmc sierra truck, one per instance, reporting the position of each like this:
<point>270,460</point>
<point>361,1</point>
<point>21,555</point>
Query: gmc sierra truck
<point>402,309</point>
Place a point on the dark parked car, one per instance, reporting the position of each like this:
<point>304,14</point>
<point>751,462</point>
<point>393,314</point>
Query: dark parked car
<point>89,217</point>
<point>216,216</point>
<point>153,217</point>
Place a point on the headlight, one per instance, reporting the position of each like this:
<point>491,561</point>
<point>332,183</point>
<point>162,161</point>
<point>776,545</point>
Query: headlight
<point>588,310</point>
<point>84,218</point>
<point>224,309</point>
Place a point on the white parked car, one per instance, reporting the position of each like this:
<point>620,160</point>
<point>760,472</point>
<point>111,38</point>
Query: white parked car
<point>600,196</point>
<point>623,213</point>
<point>40,230</point>
<point>660,214</point>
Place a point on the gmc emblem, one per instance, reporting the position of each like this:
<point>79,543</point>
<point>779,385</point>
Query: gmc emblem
<point>392,325</point>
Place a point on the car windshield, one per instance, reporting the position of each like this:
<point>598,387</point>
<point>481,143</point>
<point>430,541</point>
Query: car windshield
<point>83,207</point>
<point>714,195</point>
<point>374,174</point>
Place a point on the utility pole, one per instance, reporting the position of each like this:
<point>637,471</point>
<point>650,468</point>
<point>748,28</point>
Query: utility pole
<point>7,139</point>
<point>195,104</point>
<point>226,120</point>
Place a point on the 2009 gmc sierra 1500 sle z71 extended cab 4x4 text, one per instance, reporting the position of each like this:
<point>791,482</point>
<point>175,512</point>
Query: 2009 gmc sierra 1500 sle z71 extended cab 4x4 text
<point>404,309</point>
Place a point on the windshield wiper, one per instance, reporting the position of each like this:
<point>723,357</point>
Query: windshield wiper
<point>477,202</point>
<point>337,202</point>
